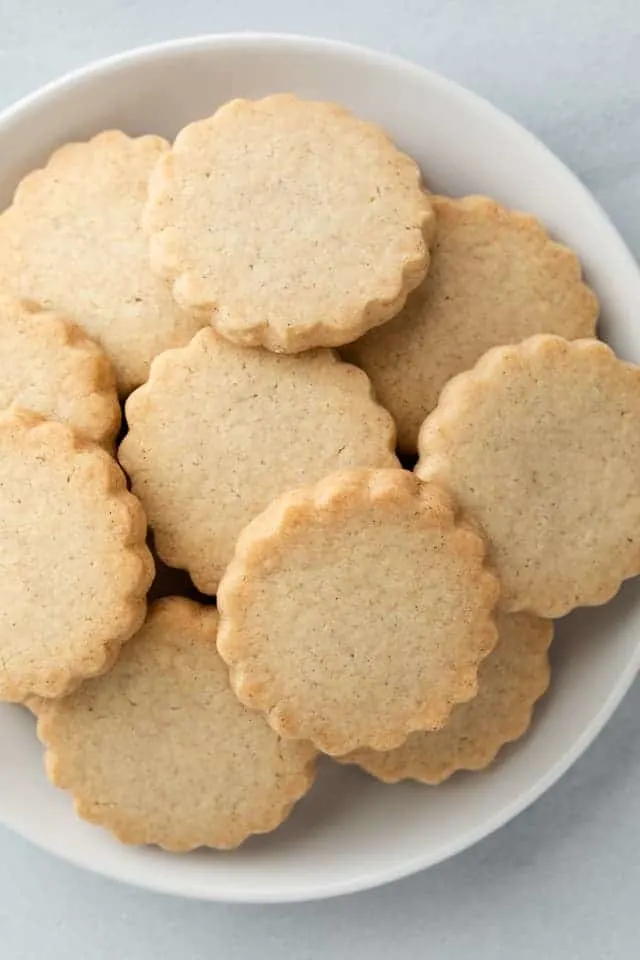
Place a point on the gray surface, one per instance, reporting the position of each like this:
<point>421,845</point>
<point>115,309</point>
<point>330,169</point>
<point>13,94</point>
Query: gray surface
<point>563,880</point>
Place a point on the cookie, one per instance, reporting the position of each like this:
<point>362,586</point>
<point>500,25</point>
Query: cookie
<point>219,431</point>
<point>73,564</point>
<point>291,223</point>
<point>159,750</point>
<point>540,442</point>
<point>511,679</point>
<point>50,367</point>
<point>72,241</point>
<point>495,278</point>
<point>357,610</point>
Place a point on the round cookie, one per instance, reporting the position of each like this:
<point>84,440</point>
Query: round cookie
<point>50,367</point>
<point>159,750</point>
<point>540,442</point>
<point>219,431</point>
<point>74,566</point>
<point>357,611</point>
<point>72,241</point>
<point>511,679</point>
<point>292,223</point>
<point>495,278</point>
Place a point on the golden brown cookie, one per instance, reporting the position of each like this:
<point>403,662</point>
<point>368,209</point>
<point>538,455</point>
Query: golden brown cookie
<point>219,431</point>
<point>511,679</point>
<point>49,366</point>
<point>159,750</point>
<point>291,223</point>
<point>495,277</point>
<point>72,241</point>
<point>73,564</point>
<point>540,442</point>
<point>357,610</point>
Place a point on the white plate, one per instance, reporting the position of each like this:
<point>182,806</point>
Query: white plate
<point>351,832</point>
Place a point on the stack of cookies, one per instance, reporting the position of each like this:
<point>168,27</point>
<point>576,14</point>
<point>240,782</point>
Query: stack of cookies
<point>292,322</point>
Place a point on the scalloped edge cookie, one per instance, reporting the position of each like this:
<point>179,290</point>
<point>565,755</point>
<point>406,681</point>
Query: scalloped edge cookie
<point>23,673</point>
<point>562,518</point>
<point>510,681</point>
<point>285,251</point>
<point>72,240</point>
<point>140,752</point>
<point>56,371</point>
<point>219,430</point>
<point>323,611</point>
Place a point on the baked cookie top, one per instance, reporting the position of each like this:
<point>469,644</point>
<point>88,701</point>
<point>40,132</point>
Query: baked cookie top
<point>540,442</point>
<point>73,562</point>
<point>292,223</point>
<point>50,367</point>
<point>357,610</point>
<point>72,241</point>
<point>159,750</point>
<point>219,431</point>
<point>495,277</point>
<point>511,679</point>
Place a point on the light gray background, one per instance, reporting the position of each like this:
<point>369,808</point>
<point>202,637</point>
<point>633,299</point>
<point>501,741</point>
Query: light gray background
<point>563,879</point>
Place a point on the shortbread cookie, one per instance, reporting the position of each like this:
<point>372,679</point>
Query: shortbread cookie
<point>219,431</point>
<point>357,611</point>
<point>291,223</point>
<point>73,564</point>
<point>49,366</point>
<point>72,241</point>
<point>159,750</point>
<point>510,681</point>
<point>495,278</point>
<point>540,442</point>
